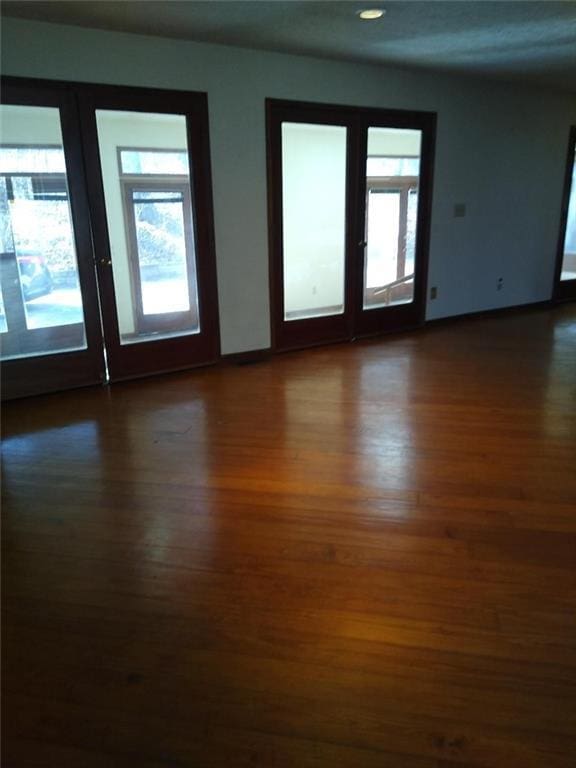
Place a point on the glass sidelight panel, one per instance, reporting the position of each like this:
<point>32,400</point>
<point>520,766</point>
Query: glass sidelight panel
<point>145,172</point>
<point>313,219</point>
<point>569,256</point>
<point>392,180</point>
<point>383,223</point>
<point>41,309</point>
<point>161,259</point>
<point>3,323</point>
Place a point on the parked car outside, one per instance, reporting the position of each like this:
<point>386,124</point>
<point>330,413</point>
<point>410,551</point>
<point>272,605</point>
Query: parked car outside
<point>35,277</point>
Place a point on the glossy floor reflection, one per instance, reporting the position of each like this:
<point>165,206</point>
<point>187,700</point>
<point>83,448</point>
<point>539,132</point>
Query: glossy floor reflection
<point>361,555</point>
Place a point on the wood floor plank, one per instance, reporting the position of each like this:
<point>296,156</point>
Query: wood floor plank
<point>354,556</point>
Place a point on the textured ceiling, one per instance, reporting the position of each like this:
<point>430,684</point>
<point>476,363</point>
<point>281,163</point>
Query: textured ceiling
<point>513,39</point>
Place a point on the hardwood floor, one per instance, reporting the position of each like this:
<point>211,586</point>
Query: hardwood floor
<point>356,556</point>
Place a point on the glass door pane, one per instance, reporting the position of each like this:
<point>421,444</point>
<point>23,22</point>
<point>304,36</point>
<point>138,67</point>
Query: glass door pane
<point>145,175</point>
<point>569,255</point>
<point>392,181</point>
<point>41,306</point>
<point>313,219</point>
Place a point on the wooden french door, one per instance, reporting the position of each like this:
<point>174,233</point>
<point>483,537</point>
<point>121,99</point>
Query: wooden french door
<point>565,278</point>
<point>349,202</point>
<point>147,156</point>
<point>106,241</point>
<point>394,195</point>
<point>49,317</point>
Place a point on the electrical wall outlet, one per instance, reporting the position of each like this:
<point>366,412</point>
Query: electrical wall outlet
<point>433,292</point>
<point>500,284</point>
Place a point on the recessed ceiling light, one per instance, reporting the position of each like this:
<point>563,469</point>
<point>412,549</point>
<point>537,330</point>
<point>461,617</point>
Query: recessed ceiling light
<point>372,13</point>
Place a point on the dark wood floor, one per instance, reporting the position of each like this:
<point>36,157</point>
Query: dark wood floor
<point>362,555</point>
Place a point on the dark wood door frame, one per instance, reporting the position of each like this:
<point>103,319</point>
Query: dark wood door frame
<point>402,316</point>
<point>565,290</point>
<point>61,370</point>
<point>318,330</point>
<point>178,352</point>
<point>354,321</point>
<point>77,103</point>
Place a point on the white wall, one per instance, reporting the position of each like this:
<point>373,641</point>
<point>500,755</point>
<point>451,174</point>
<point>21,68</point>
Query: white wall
<point>500,149</point>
